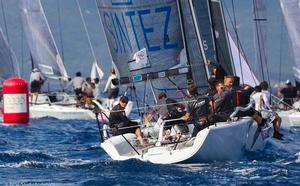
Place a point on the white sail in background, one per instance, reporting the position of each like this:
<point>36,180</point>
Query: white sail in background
<point>96,71</point>
<point>40,40</point>
<point>115,68</point>
<point>241,66</point>
<point>9,67</point>
<point>291,13</point>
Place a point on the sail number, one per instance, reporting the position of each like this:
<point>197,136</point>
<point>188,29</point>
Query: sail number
<point>132,29</point>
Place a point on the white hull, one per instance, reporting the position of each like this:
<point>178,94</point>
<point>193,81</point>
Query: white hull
<point>60,112</point>
<point>225,141</point>
<point>66,110</point>
<point>290,118</point>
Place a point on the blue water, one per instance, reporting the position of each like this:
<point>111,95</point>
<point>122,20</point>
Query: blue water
<point>53,152</point>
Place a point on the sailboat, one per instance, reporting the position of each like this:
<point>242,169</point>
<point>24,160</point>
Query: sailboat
<point>46,57</point>
<point>291,12</point>
<point>131,25</point>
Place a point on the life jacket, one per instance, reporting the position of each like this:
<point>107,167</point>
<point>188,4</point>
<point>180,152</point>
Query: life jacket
<point>200,108</point>
<point>172,108</point>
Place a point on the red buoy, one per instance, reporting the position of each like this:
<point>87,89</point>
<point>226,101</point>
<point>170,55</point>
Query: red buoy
<point>15,106</point>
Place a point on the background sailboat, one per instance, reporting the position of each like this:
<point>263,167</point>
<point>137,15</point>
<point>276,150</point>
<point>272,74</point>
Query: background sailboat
<point>9,66</point>
<point>40,40</point>
<point>145,22</point>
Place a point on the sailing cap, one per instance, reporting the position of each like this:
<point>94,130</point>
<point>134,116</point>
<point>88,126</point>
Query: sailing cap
<point>35,70</point>
<point>288,82</point>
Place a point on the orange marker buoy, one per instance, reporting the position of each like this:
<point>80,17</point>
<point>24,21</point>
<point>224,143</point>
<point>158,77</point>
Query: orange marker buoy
<point>15,105</point>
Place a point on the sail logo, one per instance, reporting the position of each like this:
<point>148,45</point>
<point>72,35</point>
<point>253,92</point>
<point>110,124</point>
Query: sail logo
<point>121,2</point>
<point>156,28</point>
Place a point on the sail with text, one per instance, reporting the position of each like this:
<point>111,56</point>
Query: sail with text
<point>291,13</point>
<point>9,67</point>
<point>133,25</point>
<point>40,40</point>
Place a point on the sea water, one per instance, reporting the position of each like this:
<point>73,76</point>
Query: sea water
<point>54,152</point>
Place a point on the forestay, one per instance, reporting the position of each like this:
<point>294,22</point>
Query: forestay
<point>40,40</point>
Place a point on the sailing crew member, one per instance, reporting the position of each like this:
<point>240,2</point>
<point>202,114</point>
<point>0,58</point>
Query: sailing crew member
<point>77,83</point>
<point>88,88</point>
<point>120,123</point>
<point>36,82</point>
<point>262,102</point>
<point>225,103</point>
<point>111,87</point>
<point>96,92</point>
<point>289,92</point>
<point>197,110</point>
<point>167,109</point>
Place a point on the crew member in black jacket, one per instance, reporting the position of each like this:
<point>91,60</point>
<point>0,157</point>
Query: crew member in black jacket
<point>120,123</point>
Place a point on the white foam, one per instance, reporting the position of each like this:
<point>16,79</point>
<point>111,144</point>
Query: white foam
<point>244,171</point>
<point>298,157</point>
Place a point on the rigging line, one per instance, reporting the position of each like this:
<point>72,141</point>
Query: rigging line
<point>60,30</point>
<point>280,52</point>
<point>237,36</point>
<point>106,40</point>
<point>86,31</point>
<point>6,31</point>
<point>5,23</point>
<point>239,42</point>
<point>263,49</point>
<point>178,88</point>
<point>22,52</point>
<point>258,37</point>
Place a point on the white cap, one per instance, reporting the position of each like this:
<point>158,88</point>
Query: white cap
<point>35,70</point>
<point>288,82</point>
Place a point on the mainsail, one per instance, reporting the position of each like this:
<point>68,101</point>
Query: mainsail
<point>156,25</point>
<point>40,40</point>
<point>132,25</point>
<point>291,13</point>
<point>8,67</point>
